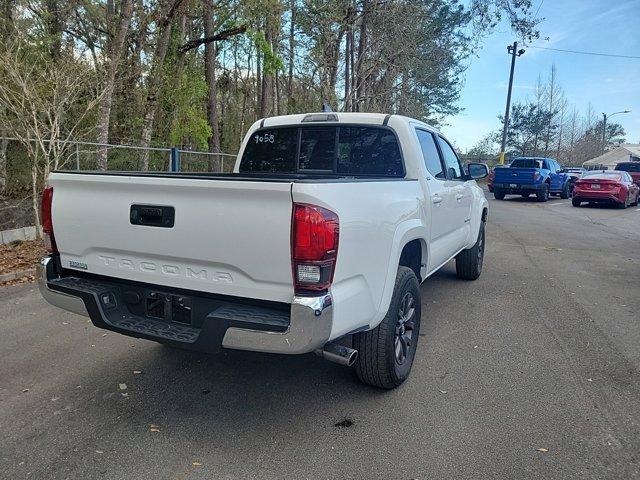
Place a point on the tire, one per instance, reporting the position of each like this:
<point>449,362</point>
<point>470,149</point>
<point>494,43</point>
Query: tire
<point>575,202</point>
<point>498,194</point>
<point>635,204</point>
<point>624,204</point>
<point>382,360</point>
<point>469,261</point>
<point>543,194</point>
<point>525,195</point>
<point>566,191</point>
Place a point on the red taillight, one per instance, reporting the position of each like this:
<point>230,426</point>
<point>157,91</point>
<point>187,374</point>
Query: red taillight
<point>47,220</point>
<point>314,247</point>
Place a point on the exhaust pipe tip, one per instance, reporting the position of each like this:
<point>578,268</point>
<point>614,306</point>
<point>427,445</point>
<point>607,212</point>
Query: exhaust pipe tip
<point>338,354</point>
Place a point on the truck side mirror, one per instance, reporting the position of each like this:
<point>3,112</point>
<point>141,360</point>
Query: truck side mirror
<point>477,170</point>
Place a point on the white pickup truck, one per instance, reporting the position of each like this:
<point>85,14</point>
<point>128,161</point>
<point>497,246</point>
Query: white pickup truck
<point>318,241</point>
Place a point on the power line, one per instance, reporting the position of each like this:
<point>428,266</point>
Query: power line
<point>536,15</point>
<point>586,53</point>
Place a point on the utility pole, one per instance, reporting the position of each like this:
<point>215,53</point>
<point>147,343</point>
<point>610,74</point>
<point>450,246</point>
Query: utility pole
<point>604,127</point>
<point>513,50</point>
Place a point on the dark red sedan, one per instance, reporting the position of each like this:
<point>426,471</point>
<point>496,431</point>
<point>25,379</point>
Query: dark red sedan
<point>608,186</point>
<point>632,168</point>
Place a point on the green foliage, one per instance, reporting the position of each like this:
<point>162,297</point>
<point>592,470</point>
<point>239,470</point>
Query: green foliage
<point>271,61</point>
<point>528,126</point>
<point>409,57</point>
<point>615,134</point>
<point>183,107</point>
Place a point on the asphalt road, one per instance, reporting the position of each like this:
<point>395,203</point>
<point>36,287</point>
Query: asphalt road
<point>542,352</point>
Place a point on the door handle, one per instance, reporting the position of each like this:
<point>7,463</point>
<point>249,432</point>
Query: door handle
<point>459,196</point>
<point>152,215</point>
<point>436,199</point>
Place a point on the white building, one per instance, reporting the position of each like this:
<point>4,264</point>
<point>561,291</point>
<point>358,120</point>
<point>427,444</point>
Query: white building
<point>627,152</point>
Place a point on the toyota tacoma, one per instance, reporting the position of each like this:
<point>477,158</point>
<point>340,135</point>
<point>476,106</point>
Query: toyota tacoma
<point>317,242</point>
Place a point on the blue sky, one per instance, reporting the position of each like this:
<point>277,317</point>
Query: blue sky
<point>609,84</point>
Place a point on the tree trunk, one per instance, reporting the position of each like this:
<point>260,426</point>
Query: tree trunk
<point>115,49</point>
<point>258,103</point>
<point>6,27</point>
<point>54,25</point>
<point>210,75</point>
<point>552,99</point>
<point>347,56</point>
<point>155,79</point>
<point>362,48</point>
<point>4,143</point>
<point>561,126</point>
<point>292,53</point>
<point>34,194</point>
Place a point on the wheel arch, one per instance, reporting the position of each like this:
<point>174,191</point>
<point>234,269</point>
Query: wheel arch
<point>410,238</point>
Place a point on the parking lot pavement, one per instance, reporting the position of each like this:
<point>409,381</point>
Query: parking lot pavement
<point>530,372</point>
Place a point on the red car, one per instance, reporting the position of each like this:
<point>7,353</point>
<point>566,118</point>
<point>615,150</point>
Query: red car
<point>606,186</point>
<point>632,168</point>
<point>492,176</point>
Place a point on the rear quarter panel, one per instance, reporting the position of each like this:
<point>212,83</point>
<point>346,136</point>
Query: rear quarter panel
<point>558,181</point>
<point>376,219</point>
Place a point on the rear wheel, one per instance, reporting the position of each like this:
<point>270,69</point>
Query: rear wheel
<point>543,194</point>
<point>624,204</point>
<point>385,354</point>
<point>498,194</point>
<point>469,261</point>
<point>575,202</point>
<point>566,191</point>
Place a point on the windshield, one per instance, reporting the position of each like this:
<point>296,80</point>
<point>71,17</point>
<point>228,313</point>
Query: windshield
<point>526,163</point>
<point>344,150</point>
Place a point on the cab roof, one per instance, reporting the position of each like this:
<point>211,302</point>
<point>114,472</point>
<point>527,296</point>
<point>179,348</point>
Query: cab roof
<point>320,118</point>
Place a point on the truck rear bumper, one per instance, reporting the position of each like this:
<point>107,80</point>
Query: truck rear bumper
<point>222,322</point>
<point>518,188</point>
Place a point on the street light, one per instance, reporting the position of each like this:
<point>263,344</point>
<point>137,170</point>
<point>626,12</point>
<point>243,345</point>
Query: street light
<point>604,126</point>
<point>514,52</point>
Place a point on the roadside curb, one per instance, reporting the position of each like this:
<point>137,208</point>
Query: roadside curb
<point>7,277</point>
<point>22,234</point>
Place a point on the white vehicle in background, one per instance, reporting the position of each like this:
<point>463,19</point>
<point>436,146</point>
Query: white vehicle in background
<point>321,235</point>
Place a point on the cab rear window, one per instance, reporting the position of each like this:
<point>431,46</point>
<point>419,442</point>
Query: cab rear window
<point>526,163</point>
<point>340,150</point>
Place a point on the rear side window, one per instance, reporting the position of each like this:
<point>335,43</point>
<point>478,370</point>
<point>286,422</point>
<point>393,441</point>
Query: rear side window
<point>342,150</point>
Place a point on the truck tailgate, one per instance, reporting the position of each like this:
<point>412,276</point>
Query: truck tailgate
<point>228,237</point>
<point>514,175</point>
